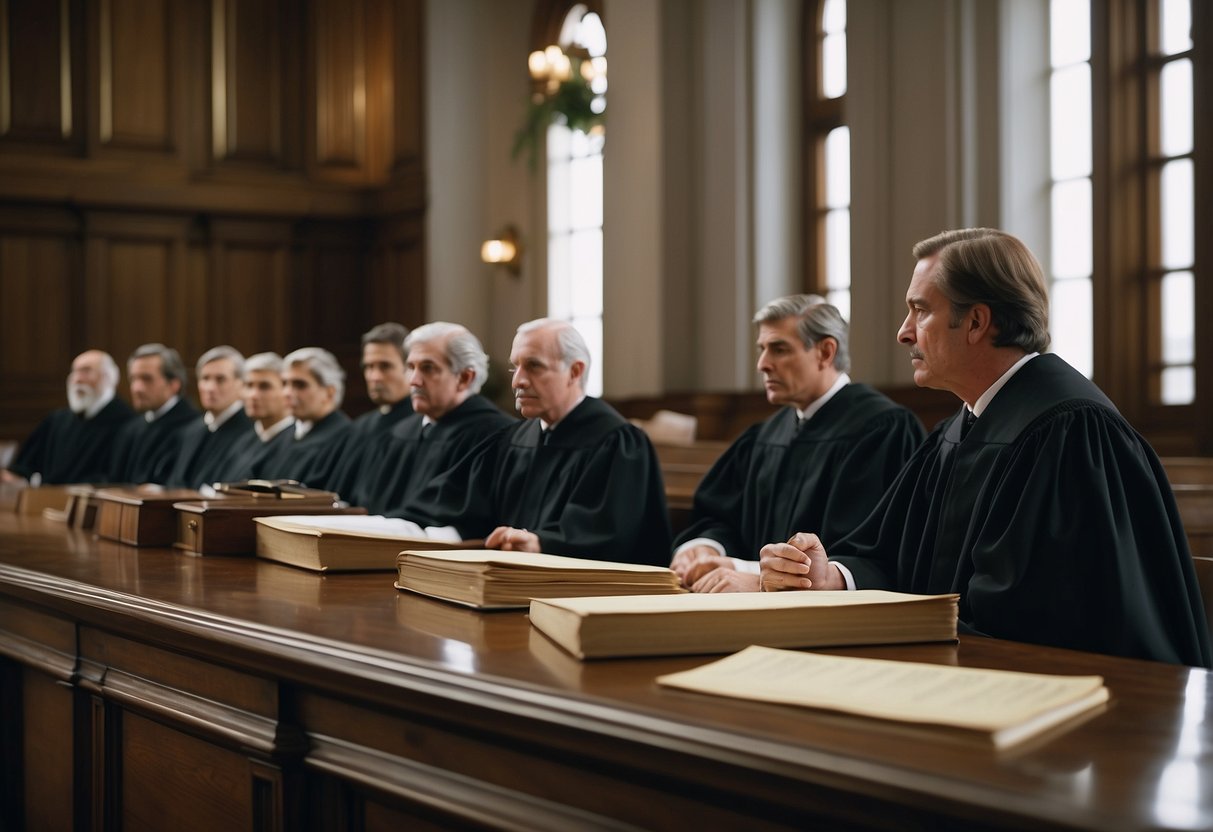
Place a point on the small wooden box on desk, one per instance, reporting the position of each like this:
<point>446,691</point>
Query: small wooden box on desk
<point>226,527</point>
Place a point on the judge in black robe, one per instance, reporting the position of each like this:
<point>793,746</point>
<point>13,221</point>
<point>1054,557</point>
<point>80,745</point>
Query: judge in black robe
<point>590,488</point>
<point>210,454</point>
<point>575,478</point>
<point>842,460</point>
<point>68,447</point>
<point>252,455</point>
<point>76,443</point>
<point>414,453</point>
<point>147,450</point>
<point>314,384</point>
<point>383,357</point>
<point>1037,502</point>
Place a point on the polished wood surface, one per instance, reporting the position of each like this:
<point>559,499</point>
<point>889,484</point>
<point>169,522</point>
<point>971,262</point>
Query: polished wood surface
<point>370,692</point>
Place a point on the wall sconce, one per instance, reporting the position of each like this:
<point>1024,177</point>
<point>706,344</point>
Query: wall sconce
<point>505,250</point>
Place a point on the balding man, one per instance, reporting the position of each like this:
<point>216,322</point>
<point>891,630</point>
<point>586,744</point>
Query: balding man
<point>76,443</point>
<point>1037,502</point>
<point>209,445</point>
<point>445,369</point>
<point>149,446</point>
<point>314,385</point>
<point>574,478</point>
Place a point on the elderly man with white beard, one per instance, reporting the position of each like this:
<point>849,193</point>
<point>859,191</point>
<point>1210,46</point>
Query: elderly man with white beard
<point>75,443</point>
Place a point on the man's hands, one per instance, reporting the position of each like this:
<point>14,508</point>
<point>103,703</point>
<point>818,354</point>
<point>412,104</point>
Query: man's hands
<point>694,562</point>
<point>801,563</point>
<point>512,540</point>
<point>727,580</point>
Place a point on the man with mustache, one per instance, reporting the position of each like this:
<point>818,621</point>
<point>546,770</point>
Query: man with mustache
<point>1037,502</point>
<point>574,478</point>
<point>149,446</point>
<point>75,444</point>
<point>445,369</point>
<point>209,445</point>
<point>842,443</point>
<point>388,389</point>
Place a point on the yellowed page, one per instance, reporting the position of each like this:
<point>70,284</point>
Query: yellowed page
<point>494,557</point>
<point>731,601</point>
<point>974,698</point>
<point>355,525</point>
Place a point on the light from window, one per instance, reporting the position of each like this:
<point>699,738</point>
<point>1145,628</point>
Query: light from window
<point>834,208</point>
<point>834,48</point>
<point>574,178</point>
<point>1071,241</point>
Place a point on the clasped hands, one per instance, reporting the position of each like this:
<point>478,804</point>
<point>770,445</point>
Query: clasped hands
<point>801,563</point>
<point>512,540</point>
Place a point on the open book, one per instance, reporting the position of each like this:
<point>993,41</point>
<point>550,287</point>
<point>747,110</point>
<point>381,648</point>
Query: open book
<point>491,579</point>
<point>721,623</point>
<point>332,543</point>
<point>997,707</point>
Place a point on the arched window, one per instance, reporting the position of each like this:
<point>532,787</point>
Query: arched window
<point>573,170</point>
<point>828,171</point>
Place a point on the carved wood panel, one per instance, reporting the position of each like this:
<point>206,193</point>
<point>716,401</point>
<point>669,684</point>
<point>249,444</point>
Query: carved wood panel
<point>338,77</point>
<point>38,71</point>
<point>139,83</point>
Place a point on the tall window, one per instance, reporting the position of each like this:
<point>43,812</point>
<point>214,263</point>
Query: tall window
<point>829,172</point>
<point>574,188</point>
<point>1171,175</point>
<point>1071,237</point>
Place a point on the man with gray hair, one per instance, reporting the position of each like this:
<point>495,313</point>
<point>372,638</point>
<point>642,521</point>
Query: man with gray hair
<point>208,445</point>
<point>388,389</point>
<point>75,444</point>
<point>842,444</point>
<point>445,369</point>
<point>314,384</point>
<point>265,406</point>
<point>574,478</point>
<point>149,446</point>
<point>1037,503</point>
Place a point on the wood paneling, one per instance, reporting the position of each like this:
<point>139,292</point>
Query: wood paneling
<point>201,172</point>
<point>198,785</point>
<point>139,82</point>
<point>37,71</point>
<point>338,75</point>
<point>48,753</point>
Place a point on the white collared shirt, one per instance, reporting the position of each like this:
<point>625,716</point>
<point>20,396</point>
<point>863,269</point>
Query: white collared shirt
<point>983,401</point>
<point>546,426</point>
<point>266,434</point>
<point>153,415</point>
<point>303,428</point>
<point>213,422</point>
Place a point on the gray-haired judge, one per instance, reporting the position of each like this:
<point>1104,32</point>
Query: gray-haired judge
<point>76,443</point>
<point>841,444</point>
<point>209,445</point>
<point>314,386</point>
<point>265,405</point>
<point>148,447</point>
<point>388,389</point>
<point>445,369</point>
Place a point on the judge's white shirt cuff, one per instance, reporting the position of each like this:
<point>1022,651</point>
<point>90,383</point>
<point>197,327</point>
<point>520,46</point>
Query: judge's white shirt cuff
<point>749,567</point>
<point>447,534</point>
<point>846,575</point>
<point>703,541</point>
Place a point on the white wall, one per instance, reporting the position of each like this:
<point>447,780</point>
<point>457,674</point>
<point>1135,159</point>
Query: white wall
<point>702,175</point>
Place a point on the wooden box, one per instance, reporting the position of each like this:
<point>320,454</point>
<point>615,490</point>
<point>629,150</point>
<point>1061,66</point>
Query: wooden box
<point>33,501</point>
<point>140,518</point>
<point>226,527</point>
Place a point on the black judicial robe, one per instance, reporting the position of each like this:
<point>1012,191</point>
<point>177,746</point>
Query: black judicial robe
<point>66,447</point>
<point>1052,518</point>
<point>251,456</point>
<point>774,481</point>
<point>405,461</point>
<point>148,450</point>
<point>592,490</point>
<point>356,456</point>
<point>208,457</point>
<point>310,460</point>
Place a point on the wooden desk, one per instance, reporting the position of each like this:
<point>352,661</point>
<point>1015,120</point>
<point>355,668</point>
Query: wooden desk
<point>143,688</point>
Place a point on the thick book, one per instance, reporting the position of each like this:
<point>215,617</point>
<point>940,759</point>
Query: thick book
<point>999,708</point>
<point>490,579</point>
<point>721,623</point>
<point>227,527</point>
<point>337,543</point>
